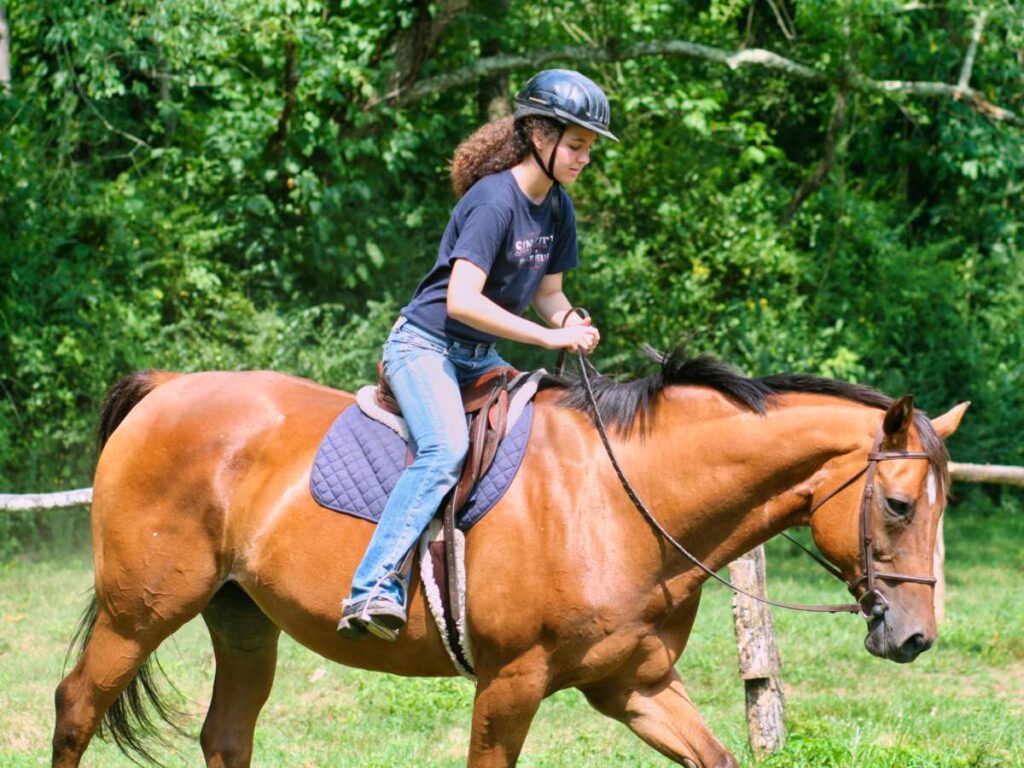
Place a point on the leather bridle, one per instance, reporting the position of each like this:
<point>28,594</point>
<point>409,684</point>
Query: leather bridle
<point>871,604</point>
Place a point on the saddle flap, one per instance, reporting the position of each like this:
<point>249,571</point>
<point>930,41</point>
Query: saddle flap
<point>486,429</point>
<point>485,400</point>
<point>480,391</point>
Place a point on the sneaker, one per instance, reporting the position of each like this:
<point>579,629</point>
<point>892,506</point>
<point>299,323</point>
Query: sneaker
<point>381,617</point>
<point>350,627</point>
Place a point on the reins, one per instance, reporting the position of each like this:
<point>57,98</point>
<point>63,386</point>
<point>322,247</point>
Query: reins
<point>871,603</point>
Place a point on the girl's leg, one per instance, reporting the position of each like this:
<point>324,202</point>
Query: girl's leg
<point>426,386</point>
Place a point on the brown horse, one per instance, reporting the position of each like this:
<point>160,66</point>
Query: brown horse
<point>201,505</point>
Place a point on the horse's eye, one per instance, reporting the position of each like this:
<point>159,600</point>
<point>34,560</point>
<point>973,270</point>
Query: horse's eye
<point>899,506</point>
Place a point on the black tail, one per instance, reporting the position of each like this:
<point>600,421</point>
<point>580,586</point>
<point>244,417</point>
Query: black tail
<point>129,721</point>
<point>122,397</point>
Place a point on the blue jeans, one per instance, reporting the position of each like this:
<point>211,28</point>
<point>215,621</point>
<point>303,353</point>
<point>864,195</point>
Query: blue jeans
<point>426,373</point>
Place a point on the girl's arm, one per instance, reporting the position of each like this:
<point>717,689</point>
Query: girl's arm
<point>467,304</point>
<point>551,304</point>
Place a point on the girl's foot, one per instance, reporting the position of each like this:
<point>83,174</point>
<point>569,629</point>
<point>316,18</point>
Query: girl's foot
<point>380,616</point>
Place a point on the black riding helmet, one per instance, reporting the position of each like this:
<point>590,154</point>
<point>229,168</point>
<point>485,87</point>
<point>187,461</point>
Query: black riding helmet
<point>568,97</point>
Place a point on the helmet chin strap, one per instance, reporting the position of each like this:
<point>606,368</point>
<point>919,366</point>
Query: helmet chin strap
<point>549,168</point>
<point>549,171</point>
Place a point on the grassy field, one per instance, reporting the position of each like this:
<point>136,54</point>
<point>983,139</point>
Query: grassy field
<point>960,704</point>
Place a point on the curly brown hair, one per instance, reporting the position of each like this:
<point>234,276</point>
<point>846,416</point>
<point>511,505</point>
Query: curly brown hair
<point>496,146</point>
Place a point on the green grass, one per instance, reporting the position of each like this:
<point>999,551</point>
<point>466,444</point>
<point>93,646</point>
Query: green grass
<point>961,704</point>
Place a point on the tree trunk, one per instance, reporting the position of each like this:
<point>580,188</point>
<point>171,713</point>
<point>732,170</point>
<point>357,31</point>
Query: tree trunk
<point>492,101</point>
<point>824,167</point>
<point>5,53</point>
<point>414,44</point>
<point>290,83</point>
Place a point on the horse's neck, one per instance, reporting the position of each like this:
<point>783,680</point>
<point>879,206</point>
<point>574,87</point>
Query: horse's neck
<point>724,482</point>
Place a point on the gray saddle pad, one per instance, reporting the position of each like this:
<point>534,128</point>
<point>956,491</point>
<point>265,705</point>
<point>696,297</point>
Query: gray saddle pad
<point>360,460</point>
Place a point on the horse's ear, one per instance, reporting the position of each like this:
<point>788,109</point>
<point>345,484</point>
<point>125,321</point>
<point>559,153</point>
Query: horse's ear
<point>947,423</point>
<point>897,422</point>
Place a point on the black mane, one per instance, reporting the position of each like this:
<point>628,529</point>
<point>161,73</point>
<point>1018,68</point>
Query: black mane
<point>626,405</point>
<point>623,404</point>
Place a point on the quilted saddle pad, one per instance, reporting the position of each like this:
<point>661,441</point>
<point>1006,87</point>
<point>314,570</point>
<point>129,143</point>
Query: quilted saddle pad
<point>360,460</point>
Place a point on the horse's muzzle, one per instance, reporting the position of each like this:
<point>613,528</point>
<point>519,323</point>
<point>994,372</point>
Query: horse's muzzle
<point>887,643</point>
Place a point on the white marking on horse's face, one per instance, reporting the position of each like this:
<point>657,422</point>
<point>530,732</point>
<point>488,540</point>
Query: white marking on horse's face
<point>932,487</point>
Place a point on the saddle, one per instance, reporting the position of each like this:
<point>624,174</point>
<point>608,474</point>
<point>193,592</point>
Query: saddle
<point>485,402</point>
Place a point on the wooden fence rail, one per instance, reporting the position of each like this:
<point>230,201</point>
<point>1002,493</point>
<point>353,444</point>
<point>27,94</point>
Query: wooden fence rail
<point>38,501</point>
<point>987,473</point>
<point>969,473</point>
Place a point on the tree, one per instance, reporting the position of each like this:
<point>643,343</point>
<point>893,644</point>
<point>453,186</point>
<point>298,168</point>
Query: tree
<point>828,187</point>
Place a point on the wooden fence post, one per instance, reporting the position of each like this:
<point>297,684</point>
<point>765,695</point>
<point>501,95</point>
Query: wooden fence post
<point>759,662</point>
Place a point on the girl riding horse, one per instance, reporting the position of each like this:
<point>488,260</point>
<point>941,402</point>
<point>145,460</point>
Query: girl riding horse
<point>509,241</point>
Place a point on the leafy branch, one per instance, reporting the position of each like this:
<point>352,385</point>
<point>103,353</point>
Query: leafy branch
<point>759,57</point>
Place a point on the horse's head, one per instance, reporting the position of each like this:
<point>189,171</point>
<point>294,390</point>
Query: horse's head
<point>880,530</point>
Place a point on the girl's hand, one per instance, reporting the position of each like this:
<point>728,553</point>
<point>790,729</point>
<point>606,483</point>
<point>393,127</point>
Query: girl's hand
<point>580,335</point>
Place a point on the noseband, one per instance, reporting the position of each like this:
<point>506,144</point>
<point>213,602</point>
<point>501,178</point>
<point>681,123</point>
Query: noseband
<point>871,604</point>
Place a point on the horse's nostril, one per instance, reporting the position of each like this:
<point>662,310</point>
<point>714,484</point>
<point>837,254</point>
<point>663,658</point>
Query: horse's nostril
<point>915,645</point>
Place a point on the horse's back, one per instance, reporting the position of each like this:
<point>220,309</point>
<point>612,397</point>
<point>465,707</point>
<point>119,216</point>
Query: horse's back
<point>185,467</point>
<point>194,426</point>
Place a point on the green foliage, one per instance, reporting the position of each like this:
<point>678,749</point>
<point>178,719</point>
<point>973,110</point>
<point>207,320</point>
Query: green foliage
<point>168,200</point>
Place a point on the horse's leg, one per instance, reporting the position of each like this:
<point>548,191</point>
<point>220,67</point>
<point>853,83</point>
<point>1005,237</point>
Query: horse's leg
<point>112,661</point>
<point>156,568</point>
<point>663,715</point>
<point>108,664</point>
<point>245,648</point>
<point>503,709</point>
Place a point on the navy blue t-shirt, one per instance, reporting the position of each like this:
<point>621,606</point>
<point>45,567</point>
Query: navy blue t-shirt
<point>498,228</point>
